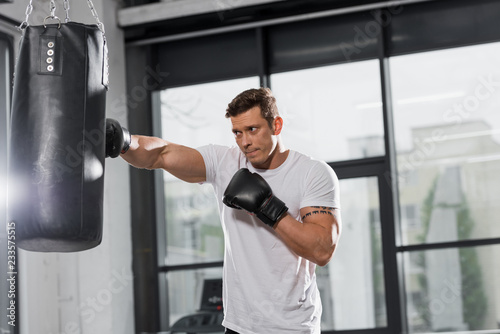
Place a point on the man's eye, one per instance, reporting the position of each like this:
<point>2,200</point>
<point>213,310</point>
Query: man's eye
<point>253,129</point>
<point>236,133</point>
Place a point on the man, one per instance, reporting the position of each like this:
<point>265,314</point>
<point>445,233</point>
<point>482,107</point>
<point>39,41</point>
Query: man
<point>279,211</point>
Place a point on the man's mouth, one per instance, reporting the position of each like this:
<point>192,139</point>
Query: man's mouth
<point>250,153</point>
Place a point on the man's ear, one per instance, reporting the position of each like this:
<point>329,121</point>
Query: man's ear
<point>278,125</point>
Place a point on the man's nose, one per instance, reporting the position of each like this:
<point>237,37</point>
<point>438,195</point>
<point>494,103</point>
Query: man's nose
<point>245,140</point>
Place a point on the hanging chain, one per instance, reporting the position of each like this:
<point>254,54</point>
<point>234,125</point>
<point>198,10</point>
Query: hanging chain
<point>66,9</point>
<point>28,12</point>
<point>52,14</point>
<point>94,13</point>
<point>52,9</point>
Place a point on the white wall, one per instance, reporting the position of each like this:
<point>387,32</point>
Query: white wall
<point>92,291</point>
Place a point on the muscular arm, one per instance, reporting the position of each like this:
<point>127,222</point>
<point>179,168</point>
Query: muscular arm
<point>153,153</point>
<point>316,237</point>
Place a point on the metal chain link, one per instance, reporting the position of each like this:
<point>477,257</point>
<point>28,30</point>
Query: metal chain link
<point>94,13</point>
<point>52,8</point>
<point>29,10</point>
<point>66,9</point>
<point>52,14</point>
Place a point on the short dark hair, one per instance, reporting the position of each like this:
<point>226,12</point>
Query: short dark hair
<point>262,97</point>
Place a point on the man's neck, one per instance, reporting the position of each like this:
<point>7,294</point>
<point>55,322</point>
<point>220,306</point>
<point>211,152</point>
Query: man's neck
<point>279,157</point>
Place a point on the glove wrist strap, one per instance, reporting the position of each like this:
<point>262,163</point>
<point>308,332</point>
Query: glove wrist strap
<point>127,139</point>
<point>271,211</point>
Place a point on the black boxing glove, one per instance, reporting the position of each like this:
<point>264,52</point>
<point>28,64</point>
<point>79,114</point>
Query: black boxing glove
<point>250,192</point>
<point>117,138</point>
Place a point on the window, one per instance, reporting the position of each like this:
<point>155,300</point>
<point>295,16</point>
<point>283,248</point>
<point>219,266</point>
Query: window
<point>184,289</point>
<point>352,284</point>
<point>323,105</point>
<point>193,116</point>
<point>447,130</point>
<point>410,218</point>
<point>453,289</point>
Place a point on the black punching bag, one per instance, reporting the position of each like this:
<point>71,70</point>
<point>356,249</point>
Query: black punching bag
<point>57,143</point>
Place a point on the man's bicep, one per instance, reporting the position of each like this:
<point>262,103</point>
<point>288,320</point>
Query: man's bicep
<point>325,216</point>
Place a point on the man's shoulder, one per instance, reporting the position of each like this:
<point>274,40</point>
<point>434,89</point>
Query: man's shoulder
<point>216,149</point>
<point>304,159</point>
<point>310,166</point>
<point>221,159</point>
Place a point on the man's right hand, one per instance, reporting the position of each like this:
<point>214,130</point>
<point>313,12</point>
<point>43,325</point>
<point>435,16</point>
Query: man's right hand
<point>117,138</point>
<point>250,192</point>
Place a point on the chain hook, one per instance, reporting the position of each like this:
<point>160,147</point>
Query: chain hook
<point>52,9</point>
<point>29,10</point>
<point>53,18</point>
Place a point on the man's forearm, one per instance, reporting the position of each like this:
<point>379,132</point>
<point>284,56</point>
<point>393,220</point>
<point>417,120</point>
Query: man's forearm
<point>144,151</point>
<point>314,242</point>
<point>183,162</point>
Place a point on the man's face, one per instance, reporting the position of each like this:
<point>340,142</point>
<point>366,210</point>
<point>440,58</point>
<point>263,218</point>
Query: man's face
<point>255,138</point>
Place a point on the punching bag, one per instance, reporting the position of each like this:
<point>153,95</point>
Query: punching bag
<point>57,142</point>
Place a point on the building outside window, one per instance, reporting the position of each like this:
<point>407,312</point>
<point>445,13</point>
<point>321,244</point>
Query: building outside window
<point>447,129</point>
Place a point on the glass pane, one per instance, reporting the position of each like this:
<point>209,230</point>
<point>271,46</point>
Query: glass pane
<point>447,129</point>
<point>332,113</point>
<point>352,284</point>
<point>185,290</point>
<point>194,116</point>
<point>194,233</point>
<point>453,289</point>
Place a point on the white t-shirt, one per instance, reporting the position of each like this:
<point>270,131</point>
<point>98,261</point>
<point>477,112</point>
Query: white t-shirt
<point>266,287</point>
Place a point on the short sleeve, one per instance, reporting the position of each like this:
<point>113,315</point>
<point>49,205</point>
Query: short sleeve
<point>220,161</point>
<point>207,152</point>
<point>322,187</point>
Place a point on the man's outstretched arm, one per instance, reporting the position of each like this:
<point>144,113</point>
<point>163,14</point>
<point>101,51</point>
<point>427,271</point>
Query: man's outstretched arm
<point>147,152</point>
<point>181,161</point>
